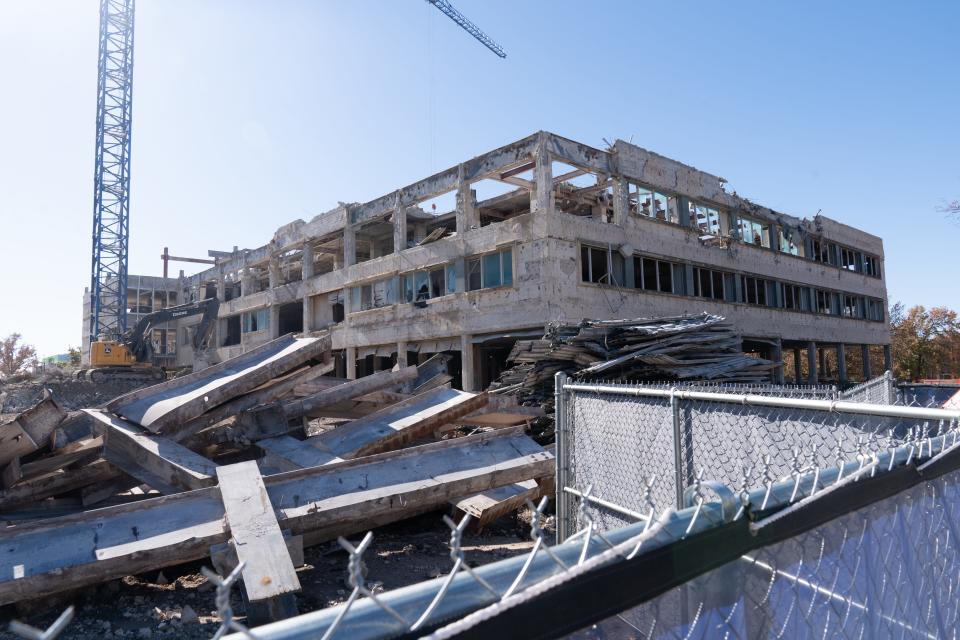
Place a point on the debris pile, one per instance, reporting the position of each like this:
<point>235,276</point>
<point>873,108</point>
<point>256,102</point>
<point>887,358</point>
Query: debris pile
<point>153,479</point>
<point>701,347</point>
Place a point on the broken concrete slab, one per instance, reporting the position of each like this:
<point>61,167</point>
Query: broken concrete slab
<point>176,401</point>
<point>41,558</point>
<point>161,463</point>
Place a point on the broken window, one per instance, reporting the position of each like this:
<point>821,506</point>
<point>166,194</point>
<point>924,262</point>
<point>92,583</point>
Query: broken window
<point>254,321</point>
<point>821,251</point>
<point>706,218</point>
<point>651,274</point>
<point>427,284</point>
<point>380,293</point>
<point>754,232</point>
<point>851,306</point>
<point>490,270</point>
<point>824,302</point>
<point>787,245</point>
<point>871,266</point>
<point>848,259</point>
<point>602,265</point>
<point>652,204</point>
<point>875,310</point>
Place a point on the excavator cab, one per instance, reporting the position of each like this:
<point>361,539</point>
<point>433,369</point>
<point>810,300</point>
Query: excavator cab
<point>131,358</point>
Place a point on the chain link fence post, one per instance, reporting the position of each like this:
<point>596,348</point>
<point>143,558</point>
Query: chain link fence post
<point>677,446</point>
<point>562,456</point>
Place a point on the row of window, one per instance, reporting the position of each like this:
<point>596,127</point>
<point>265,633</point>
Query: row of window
<point>608,266</point>
<point>660,206</point>
<point>843,257</point>
<point>483,272</point>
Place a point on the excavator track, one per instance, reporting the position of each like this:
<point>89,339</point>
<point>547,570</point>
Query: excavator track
<point>122,374</point>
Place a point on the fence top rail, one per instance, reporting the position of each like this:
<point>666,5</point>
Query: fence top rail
<point>835,406</point>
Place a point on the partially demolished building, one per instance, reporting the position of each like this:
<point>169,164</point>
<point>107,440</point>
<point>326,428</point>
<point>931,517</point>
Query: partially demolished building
<point>544,229</point>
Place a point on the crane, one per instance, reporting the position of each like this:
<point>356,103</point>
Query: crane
<point>111,194</point>
<point>468,26</point>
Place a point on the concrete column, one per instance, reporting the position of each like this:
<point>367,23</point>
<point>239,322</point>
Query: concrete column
<point>778,374</point>
<point>683,213</point>
<point>399,225</point>
<point>467,373</point>
<point>419,232</point>
<point>307,261</point>
<point>349,244</point>
<point>797,368</point>
<point>865,356</point>
<point>351,357</point>
<point>246,282</point>
<point>274,313</point>
<point>541,197</point>
<point>467,215</point>
<point>375,360</point>
<point>842,363</point>
<point>274,272</point>
<point>887,358</point>
<point>402,353</point>
<point>812,363</point>
<point>309,321</point>
<point>621,205</point>
<point>221,287</point>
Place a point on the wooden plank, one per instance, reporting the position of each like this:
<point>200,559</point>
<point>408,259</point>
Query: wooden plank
<point>41,558</point>
<point>268,573</point>
<point>398,424</point>
<point>163,464</point>
<point>176,401</point>
<point>271,392</point>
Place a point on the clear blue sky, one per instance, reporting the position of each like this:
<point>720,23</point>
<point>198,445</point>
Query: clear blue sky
<point>251,113</point>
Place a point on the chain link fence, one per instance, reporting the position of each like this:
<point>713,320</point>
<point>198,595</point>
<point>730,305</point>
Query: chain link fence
<point>642,447</point>
<point>888,570</point>
<point>880,390</point>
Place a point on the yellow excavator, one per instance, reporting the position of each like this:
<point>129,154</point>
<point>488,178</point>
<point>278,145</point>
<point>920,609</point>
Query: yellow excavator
<point>132,357</point>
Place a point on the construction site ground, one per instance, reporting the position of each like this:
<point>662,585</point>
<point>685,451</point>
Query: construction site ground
<point>179,601</point>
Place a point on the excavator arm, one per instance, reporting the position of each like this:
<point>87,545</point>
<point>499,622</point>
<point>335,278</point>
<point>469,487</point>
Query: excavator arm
<point>138,341</point>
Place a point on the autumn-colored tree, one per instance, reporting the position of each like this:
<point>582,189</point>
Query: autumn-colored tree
<point>74,354</point>
<point>924,341</point>
<point>15,356</point>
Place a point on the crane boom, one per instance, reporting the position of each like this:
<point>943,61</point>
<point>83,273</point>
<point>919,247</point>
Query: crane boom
<point>108,273</point>
<point>468,26</point>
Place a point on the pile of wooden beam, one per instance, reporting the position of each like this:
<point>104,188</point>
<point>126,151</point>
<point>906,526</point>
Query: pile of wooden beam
<point>701,347</point>
<point>154,463</point>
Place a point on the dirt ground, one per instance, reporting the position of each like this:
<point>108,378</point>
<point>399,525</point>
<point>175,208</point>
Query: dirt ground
<point>144,606</point>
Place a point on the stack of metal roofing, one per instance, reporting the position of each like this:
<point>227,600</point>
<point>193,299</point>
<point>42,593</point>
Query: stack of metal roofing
<point>701,347</point>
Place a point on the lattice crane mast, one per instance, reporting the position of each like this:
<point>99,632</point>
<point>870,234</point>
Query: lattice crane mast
<point>468,26</point>
<point>111,192</point>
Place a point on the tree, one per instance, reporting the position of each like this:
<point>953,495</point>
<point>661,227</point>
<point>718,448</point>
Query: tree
<point>924,341</point>
<point>15,356</point>
<point>74,354</point>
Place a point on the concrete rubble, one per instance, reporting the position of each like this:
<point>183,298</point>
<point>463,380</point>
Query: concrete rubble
<point>139,486</point>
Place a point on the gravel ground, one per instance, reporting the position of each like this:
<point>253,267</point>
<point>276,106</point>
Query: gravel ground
<point>179,602</point>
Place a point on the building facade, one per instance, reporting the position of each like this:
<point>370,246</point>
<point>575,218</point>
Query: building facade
<point>547,229</point>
